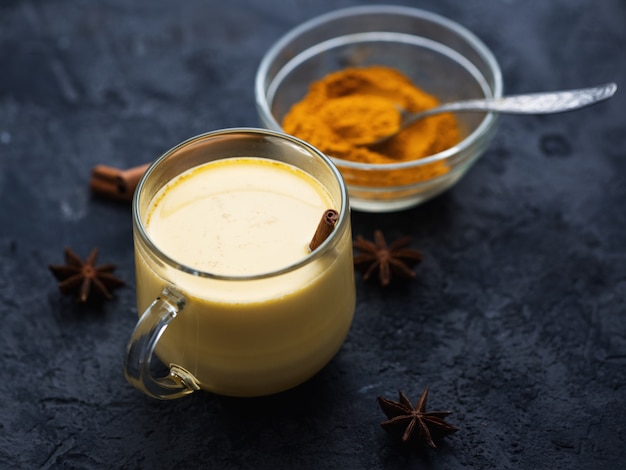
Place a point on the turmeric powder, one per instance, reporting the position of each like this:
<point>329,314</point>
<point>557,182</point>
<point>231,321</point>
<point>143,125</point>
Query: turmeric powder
<point>356,105</point>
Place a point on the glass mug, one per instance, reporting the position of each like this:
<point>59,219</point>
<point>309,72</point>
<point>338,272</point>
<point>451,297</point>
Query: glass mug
<point>239,335</point>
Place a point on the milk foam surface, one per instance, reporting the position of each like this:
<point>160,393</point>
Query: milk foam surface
<point>238,216</point>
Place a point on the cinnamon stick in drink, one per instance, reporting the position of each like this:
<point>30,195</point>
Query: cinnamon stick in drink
<point>324,228</point>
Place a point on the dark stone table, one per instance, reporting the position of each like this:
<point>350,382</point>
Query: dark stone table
<point>516,319</point>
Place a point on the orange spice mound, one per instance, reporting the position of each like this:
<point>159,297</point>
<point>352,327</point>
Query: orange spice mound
<point>355,105</point>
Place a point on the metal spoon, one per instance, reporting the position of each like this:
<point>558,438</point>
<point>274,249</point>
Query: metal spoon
<point>532,103</point>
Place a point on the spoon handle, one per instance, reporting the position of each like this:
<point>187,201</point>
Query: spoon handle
<point>536,103</point>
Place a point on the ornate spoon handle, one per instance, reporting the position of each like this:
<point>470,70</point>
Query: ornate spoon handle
<point>533,103</point>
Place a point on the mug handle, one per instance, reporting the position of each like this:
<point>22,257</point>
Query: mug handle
<point>140,350</point>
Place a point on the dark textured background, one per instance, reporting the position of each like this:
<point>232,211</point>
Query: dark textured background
<point>516,319</point>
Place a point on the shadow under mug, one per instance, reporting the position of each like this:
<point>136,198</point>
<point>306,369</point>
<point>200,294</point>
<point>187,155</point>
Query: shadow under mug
<point>238,336</point>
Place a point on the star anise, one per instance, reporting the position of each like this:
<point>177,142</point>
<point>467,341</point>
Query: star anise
<point>83,277</point>
<point>415,422</point>
<point>393,260</point>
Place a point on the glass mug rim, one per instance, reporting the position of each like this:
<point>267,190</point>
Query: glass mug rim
<point>141,231</point>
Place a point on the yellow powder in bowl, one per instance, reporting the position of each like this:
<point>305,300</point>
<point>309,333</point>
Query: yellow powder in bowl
<point>360,104</point>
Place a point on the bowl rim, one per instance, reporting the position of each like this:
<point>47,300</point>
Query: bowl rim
<point>480,47</point>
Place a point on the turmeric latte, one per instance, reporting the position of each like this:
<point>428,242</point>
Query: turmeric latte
<point>355,105</point>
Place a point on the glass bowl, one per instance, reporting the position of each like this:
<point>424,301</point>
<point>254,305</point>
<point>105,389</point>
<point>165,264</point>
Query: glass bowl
<point>440,56</point>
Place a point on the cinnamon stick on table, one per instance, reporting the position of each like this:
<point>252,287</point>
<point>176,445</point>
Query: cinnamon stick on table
<point>116,184</point>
